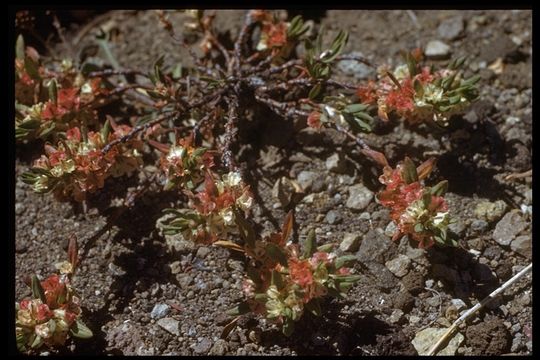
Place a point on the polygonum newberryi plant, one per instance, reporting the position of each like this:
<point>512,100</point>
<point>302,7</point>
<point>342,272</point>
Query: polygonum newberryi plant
<point>419,93</point>
<point>213,209</point>
<point>418,211</point>
<point>192,116</point>
<point>283,280</point>
<point>184,165</point>
<point>52,99</point>
<point>53,314</point>
<point>76,166</point>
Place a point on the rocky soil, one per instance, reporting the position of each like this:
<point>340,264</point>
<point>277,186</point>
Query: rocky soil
<point>143,295</point>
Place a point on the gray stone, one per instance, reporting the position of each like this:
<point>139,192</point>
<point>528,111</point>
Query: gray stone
<point>333,217</point>
<point>202,252</point>
<point>459,304</point>
<point>437,50</point>
<point>458,227</point>
<point>375,246</point>
<point>399,266</point>
<point>490,211</point>
<point>425,339</point>
<point>171,325</point>
<point>219,348</point>
<point>355,68</point>
<point>159,311</point>
<point>390,229</point>
<point>479,226</point>
<point>493,252</point>
<point>396,316</point>
<point>359,197</point>
<point>19,208</point>
<point>508,227</point>
<point>351,242</point>
<point>522,245</point>
<point>451,29</point>
<point>175,267</point>
<point>517,342</point>
<point>202,346</point>
<point>335,163</point>
<point>184,280</point>
<point>306,178</point>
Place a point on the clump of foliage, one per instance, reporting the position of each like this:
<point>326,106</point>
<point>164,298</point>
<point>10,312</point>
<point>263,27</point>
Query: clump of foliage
<point>53,314</point>
<point>77,166</point>
<point>420,93</point>
<point>283,281</point>
<point>204,107</point>
<point>418,211</point>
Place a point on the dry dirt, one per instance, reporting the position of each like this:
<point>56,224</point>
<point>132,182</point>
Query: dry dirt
<point>129,268</point>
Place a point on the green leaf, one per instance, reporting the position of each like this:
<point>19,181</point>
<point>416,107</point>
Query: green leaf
<point>364,116</point>
<point>30,124</point>
<point>345,286</point>
<point>45,131</point>
<point>310,244</point>
<point>418,88</point>
<point>471,81</point>
<point>105,130</point>
<point>246,230</point>
<point>346,278</point>
<point>276,254</point>
<point>19,48</point>
<point>32,68</point>
<point>411,64</point>
<point>177,72</point>
<point>80,330</point>
<point>355,108</point>
<point>426,199</point>
<point>418,228</point>
<point>37,290</point>
<point>346,260</point>
<point>325,248</point>
<point>262,298</point>
<point>38,341</point>
<point>440,189</point>
<point>409,171</point>
<point>53,91</point>
<point>315,91</point>
<point>240,309</point>
<point>199,151</point>
<point>337,46</point>
<point>157,68</point>
<point>288,326</point>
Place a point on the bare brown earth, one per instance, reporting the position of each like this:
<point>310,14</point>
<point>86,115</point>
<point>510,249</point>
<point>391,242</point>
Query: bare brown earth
<point>129,269</point>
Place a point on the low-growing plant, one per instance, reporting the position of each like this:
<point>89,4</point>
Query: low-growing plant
<point>284,280</point>
<point>53,314</point>
<point>193,118</point>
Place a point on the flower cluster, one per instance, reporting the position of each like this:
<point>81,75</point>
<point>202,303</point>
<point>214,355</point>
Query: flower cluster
<point>184,165</point>
<point>213,210</point>
<point>418,211</point>
<point>282,282</point>
<point>77,166</point>
<point>54,311</point>
<point>418,93</point>
<point>278,37</point>
<point>49,101</point>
